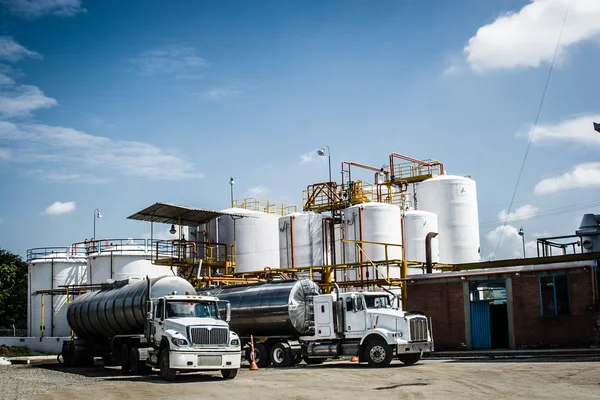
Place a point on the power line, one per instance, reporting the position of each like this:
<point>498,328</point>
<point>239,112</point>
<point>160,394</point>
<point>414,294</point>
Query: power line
<point>533,128</point>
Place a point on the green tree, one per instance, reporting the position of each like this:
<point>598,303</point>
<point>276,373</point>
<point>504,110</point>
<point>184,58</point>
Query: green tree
<point>13,290</point>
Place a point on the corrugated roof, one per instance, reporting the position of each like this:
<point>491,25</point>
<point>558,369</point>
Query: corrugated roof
<point>179,215</point>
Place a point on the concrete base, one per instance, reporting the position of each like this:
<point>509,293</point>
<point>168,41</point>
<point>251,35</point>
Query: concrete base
<point>52,345</point>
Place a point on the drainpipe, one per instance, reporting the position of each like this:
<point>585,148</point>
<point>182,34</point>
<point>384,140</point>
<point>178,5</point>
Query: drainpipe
<point>52,300</point>
<point>428,263</point>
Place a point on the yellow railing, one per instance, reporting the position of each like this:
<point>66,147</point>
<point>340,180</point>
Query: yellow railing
<point>413,172</point>
<point>266,206</point>
<point>325,196</point>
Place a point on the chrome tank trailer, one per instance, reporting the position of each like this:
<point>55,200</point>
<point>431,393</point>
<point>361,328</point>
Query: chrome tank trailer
<point>269,309</point>
<point>119,308</point>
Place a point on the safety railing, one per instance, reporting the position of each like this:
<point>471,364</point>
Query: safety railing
<point>329,195</point>
<point>414,172</point>
<point>549,246</point>
<point>186,253</point>
<point>39,253</point>
<point>264,205</point>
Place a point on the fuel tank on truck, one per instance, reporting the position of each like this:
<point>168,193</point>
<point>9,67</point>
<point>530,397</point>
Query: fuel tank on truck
<point>269,309</point>
<point>120,308</point>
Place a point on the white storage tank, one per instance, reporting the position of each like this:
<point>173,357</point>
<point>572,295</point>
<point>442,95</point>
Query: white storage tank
<point>454,200</point>
<point>51,269</point>
<point>417,224</point>
<point>373,222</point>
<point>301,240</point>
<point>256,238</point>
<point>124,259</point>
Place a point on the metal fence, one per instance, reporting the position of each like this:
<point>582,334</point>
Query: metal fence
<point>13,332</point>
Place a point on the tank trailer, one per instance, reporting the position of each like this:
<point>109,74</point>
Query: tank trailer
<point>155,323</point>
<point>292,321</point>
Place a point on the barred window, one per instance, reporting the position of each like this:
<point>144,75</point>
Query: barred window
<point>554,295</point>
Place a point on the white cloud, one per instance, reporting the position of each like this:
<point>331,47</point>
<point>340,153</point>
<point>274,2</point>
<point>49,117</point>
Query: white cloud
<point>578,130</point>
<point>220,94</point>
<point>309,157</point>
<point>524,212</point>
<point>13,51</point>
<point>528,37</point>
<point>54,150</point>
<point>258,191</point>
<point>181,61</point>
<point>21,100</point>
<point>59,208</point>
<point>4,154</point>
<point>511,244</point>
<point>582,175</point>
<point>38,8</point>
<point>5,80</point>
<point>161,233</point>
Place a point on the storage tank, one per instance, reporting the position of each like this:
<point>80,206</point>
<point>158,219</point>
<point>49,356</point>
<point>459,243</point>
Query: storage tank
<point>119,308</point>
<point>373,222</point>
<point>301,240</point>
<point>51,268</point>
<point>454,200</point>
<point>274,308</point>
<point>256,238</point>
<point>417,224</point>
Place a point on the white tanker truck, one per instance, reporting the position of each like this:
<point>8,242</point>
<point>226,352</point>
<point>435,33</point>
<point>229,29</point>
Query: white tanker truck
<point>158,323</point>
<point>292,321</point>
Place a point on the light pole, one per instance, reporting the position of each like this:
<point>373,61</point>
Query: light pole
<point>231,183</point>
<point>96,215</point>
<point>321,152</point>
<point>522,234</point>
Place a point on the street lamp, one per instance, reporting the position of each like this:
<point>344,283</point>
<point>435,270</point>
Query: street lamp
<point>96,215</point>
<point>522,234</point>
<point>321,152</point>
<point>231,183</point>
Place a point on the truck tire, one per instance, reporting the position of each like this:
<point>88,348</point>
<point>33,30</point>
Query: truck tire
<point>281,355</point>
<point>378,353</point>
<point>314,361</point>
<point>229,373</point>
<point>409,359</point>
<point>138,367</point>
<point>166,372</point>
<point>261,355</point>
<point>125,365</point>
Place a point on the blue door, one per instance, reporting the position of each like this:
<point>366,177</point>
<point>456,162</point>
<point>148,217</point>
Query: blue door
<point>481,335</point>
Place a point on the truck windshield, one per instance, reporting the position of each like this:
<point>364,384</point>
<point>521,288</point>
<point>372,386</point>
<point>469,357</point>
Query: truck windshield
<point>380,301</point>
<point>188,309</point>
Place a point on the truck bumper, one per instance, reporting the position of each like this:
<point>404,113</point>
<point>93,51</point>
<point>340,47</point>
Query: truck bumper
<point>202,360</point>
<point>414,347</point>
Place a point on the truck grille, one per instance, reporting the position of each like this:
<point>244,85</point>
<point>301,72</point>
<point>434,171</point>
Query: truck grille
<point>208,336</point>
<point>418,329</point>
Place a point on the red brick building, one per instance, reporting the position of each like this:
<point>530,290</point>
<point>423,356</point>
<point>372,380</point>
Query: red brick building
<point>537,306</point>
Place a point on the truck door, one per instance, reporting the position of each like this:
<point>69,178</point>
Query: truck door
<point>159,321</point>
<point>323,318</point>
<point>356,315</point>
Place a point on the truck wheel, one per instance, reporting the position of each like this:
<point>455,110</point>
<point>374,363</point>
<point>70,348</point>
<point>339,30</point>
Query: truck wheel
<point>314,361</point>
<point>166,372</point>
<point>409,359</point>
<point>378,353</point>
<point>229,373</point>
<point>261,355</point>
<point>138,367</point>
<point>125,365</point>
<point>297,358</point>
<point>281,355</point>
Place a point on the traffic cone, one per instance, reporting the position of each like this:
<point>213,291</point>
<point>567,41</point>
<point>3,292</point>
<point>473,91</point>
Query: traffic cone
<point>354,359</point>
<point>253,366</point>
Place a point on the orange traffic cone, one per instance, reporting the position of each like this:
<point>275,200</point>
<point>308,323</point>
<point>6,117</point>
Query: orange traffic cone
<point>354,359</point>
<point>253,366</point>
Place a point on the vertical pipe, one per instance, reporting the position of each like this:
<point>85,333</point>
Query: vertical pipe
<point>292,237</point>
<point>42,327</point>
<point>428,262</point>
<point>52,300</point>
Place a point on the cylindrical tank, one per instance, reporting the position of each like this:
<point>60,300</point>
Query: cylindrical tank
<point>373,222</point>
<point>256,238</point>
<point>301,241</point>
<point>417,224</point>
<point>51,270</point>
<point>277,308</point>
<point>119,309</point>
<point>454,200</point>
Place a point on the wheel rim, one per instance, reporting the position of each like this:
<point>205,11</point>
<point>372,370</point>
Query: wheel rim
<point>278,355</point>
<point>377,354</point>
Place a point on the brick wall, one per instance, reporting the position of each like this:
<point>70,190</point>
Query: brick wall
<point>534,331</point>
<point>443,302</point>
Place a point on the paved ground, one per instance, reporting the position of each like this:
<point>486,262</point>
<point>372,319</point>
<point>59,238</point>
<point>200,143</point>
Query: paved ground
<point>429,379</point>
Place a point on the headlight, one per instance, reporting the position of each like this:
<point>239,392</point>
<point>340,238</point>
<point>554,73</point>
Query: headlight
<point>235,342</point>
<point>179,342</point>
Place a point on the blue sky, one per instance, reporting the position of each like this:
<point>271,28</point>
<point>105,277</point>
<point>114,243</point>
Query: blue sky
<point>116,105</point>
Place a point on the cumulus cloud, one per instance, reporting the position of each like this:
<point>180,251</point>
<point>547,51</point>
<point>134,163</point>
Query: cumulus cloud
<point>527,38</point>
<point>258,191</point>
<point>21,100</point>
<point>4,154</point>
<point>54,150</point>
<point>578,130</point>
<point>582,175</point>
<point>219,94</point>
<point>178,60</point>
<point>38,8</point>
<point>524,212</point>
<point>511,244</point>
<point>13,51</point>
<point>59,208</point>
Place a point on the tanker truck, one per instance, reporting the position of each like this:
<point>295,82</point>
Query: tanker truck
<point>154,323</point>
<point>292,321</point>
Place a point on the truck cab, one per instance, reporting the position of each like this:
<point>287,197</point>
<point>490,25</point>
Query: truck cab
<point>365,324</point>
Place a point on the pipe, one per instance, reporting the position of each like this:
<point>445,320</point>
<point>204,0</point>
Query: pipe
<point>292,237</point>
<point>52,300</point>
<point>428,262</point>
<point>594,283</point>
<point>351,163</point>
<point>414,160</point>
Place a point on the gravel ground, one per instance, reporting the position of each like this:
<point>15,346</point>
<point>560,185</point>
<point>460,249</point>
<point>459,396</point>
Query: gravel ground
<point>430,379</point>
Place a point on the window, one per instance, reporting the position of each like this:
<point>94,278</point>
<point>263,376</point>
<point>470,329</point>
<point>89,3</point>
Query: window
<point>554,294</point>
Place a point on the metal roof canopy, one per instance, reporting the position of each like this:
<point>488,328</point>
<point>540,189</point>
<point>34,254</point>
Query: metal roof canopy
<point>179,215</point>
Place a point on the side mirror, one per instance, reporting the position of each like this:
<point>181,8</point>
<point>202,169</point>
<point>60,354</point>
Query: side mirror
<point>228,312</point>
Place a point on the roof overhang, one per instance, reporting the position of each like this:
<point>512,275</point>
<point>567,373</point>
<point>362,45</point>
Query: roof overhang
<point>179,215</point>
